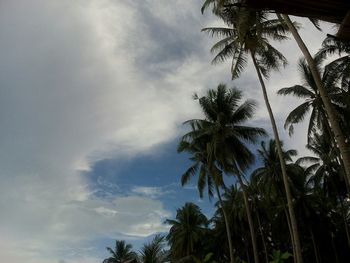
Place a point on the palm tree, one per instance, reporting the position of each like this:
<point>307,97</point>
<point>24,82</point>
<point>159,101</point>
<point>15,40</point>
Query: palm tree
<point>327,173</point>
<point>226,136</point>
<point>333,117</point>
<point>187,231</point>
<point>247,34</point>
<point>240,220</point>
<point>208,173</point>
<point>312,99</point>
<point>339,67</point>
<point>154,251</point>
<point>121,253</point>
<point>269,176</point>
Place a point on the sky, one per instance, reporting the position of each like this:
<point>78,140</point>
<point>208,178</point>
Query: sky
<point>93,94</point>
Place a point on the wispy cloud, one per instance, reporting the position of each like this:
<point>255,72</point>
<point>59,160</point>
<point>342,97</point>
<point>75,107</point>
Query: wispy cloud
<point>153,192</point>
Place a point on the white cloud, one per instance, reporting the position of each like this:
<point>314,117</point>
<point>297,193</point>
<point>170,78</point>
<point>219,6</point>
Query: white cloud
<point>153,192</point>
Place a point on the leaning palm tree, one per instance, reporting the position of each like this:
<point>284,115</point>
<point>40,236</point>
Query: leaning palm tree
<point>121,253</point>
<point>333,117</point>
<point>154,251</point>
<point>247,34</point>
<point>226,136</point>
<point>187,231</point>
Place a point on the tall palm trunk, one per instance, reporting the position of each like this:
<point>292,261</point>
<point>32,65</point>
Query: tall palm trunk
<point>250,219</point>
<point>290,232</point>
<point>228,231</point>
<point>283,166</point>
<point>333,119</point>
<point>334,248</point>
<point>263,238</point>
<point>314,245</point>
<point>339,159</point>
<point>343,212</point>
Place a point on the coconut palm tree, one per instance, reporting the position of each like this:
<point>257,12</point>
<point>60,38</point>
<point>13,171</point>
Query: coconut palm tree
<point>247,34</point>
<point>234,200</point>
<point>269,176</point>
<point>121,253</point>
<point>154,251</point>
<point>312,99</point>
<point>333,117</point>
<point>339,67</point>
<point>227,136</point>
<point>209,175</point>
<point>187,231</point>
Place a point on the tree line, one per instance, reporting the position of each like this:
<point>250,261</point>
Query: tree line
<point>291,208</point>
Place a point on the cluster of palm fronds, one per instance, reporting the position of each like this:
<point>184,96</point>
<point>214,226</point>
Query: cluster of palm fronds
<point>152,252</point>
<point>297,205</point>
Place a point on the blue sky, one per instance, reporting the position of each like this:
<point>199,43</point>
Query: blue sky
<point>93,94</point>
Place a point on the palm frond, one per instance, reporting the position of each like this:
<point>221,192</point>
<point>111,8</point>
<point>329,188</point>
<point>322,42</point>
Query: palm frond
<point>296,90</point>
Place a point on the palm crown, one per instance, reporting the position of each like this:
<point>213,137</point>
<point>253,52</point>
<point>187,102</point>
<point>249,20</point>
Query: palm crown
<point>248,32</point>
<point>313,102</point>
<point>220,140</point>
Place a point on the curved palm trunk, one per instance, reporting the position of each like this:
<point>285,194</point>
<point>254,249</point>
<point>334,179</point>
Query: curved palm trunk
<point>333,119</point>
<point>228,231</point>
<point>250,219</point>
<point>293,220</point>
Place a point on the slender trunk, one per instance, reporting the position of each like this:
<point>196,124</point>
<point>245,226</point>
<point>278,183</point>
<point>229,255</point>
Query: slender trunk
<point>331,113</point>
<point>314,245</point>
<point>338,157</point>
<point>250,219</point>
<point>247,254</point>
<point>290,232</point>
<point>228,231</point>
<point>334,248</point>
<point>262,238</point>
<point>283,166</point>
<point>344,219</point>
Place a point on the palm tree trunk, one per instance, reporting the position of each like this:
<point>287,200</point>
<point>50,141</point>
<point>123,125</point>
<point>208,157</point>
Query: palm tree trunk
<point>339,159</point>
<point>290,232</point>
<point>314,245</point>
<point>333,119</point>
<point>283,166</point>
<point>343,212</point>
<point>228,231</point>
<point>250,219</point>
<point>334,248</point>
<point>262,238</point>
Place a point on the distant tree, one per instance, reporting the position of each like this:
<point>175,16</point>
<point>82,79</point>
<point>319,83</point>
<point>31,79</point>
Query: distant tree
<point>154,251</point>
<point>121,253</point>
<point>187,231</point>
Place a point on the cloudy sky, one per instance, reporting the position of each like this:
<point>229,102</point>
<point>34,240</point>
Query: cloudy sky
<point>93,94</point>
